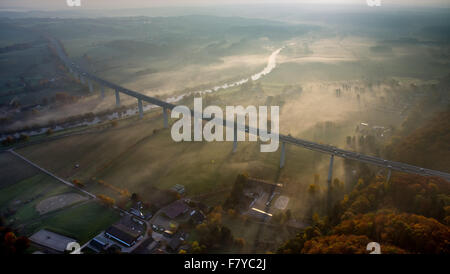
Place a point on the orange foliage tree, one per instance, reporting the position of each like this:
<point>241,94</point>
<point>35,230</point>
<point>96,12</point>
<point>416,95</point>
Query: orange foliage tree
<point>106,200</point>
<point>409,231</point>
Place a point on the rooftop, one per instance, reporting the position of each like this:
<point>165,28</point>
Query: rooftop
<point>51,240</point>
<point>122,233</point>
<point>175,209</point>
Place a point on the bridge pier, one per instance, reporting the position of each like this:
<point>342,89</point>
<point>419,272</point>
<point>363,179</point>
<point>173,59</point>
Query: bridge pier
<point>165,117</point>
<point>102,91</point>
<point>282,158</point>
<point>117,98</point>
<point>90,86</point>
<point>330,177</point>
<point>141,109</point>
<point>388,176</point>
<point>235,139</point>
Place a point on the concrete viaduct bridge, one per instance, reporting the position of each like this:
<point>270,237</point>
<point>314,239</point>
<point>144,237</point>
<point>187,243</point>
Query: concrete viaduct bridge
<point>86,77</point>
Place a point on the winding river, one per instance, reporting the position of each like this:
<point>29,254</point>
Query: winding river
<point>271,64</point>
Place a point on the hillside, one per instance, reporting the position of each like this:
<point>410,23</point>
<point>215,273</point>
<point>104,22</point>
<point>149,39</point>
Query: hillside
<point>428,146</point>
<point>408,214</point>
<point>411,214</point>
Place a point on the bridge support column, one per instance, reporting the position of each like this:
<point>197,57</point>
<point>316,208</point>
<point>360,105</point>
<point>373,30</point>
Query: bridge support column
<point>330,177</point>
<point>282,158</point>
<point>141,110</point>
<point>117,98</point>
<point>90,86</point>
<point>165,117</point>
<point>235,139</point>
<point>102,91</point>
<point>388,176</point>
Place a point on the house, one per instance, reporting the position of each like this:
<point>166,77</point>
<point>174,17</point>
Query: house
<point>98,244</point>
<point>175,209</point>
<point>120,233</point>
<point>138,211</point>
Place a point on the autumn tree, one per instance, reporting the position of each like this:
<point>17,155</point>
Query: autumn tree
<point>343,244</point>
<point>408,231</point>
<point>10,243</point>
<point>106,200</point>
<point>234,198</point>
<point>78,183</point>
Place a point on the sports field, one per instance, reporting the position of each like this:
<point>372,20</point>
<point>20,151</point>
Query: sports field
<point>31,200</point>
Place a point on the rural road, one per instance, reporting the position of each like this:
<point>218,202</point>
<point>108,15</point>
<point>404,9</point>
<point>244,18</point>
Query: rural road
<point>51,174</point>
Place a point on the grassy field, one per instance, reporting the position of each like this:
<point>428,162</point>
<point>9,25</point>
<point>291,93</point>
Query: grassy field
<point>25,187</point>
<point>81,222</point>
<point>23,196</point>
<point>138,155</point>
<point>132,156</point>
<point>13,170</point>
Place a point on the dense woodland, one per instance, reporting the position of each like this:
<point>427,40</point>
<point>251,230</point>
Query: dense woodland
<point>408,214</point>
<point>427,146</point>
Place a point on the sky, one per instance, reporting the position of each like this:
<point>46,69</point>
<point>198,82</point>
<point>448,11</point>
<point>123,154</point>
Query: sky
<point>125,4</point>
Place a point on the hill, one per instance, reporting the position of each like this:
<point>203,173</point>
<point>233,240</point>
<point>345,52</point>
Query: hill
<point>427,146</point>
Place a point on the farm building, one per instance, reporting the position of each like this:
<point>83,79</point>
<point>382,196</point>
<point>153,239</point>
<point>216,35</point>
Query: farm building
<point>51,240</point>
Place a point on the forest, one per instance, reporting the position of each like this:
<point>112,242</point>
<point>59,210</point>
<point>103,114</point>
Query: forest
<point>407,214</point>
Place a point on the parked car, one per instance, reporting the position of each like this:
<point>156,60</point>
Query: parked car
<point>168,233</point>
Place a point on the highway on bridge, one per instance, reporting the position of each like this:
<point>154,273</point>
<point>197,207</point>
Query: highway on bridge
<point>334,151</point>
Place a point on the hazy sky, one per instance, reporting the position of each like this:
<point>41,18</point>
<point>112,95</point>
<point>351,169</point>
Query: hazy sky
<point>114,4</point>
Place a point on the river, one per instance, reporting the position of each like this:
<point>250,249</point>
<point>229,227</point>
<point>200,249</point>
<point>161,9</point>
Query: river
<point>271,64</point>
